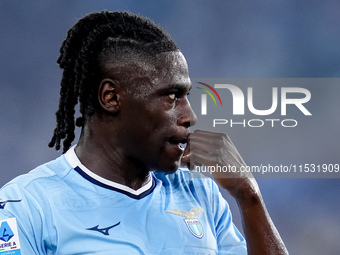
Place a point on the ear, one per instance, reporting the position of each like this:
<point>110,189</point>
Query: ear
<point>108,97</point>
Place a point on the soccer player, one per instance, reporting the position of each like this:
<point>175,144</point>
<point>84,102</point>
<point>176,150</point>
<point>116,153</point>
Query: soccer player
<point>120,190</point>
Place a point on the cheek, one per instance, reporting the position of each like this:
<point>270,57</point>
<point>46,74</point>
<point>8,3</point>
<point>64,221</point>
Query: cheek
<point>152,117</point>
<point>157,127</point>
<point>165,119</point>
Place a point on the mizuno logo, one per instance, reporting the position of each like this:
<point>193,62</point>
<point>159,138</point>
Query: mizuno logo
<point>3,204</point>
<point>104,231</point>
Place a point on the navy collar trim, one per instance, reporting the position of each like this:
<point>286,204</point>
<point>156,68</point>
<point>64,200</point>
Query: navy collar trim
<point>75,163</point>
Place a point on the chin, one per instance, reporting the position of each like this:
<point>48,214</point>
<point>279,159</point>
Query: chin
<point>167,169</point>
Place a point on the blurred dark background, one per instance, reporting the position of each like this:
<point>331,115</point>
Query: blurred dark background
<point>234,39</point>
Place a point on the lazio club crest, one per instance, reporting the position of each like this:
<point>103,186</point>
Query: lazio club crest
<point>193,224</point>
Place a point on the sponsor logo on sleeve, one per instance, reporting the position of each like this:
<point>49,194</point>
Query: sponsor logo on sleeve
<point>9,238</point>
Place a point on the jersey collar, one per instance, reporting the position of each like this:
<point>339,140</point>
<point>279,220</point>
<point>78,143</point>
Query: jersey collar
<point>75,163</point>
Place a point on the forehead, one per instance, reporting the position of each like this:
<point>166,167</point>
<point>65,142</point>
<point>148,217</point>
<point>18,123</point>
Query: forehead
<point>146,74</point>
<point>170,69</point>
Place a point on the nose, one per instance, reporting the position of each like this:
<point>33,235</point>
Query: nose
<point>188,117</point>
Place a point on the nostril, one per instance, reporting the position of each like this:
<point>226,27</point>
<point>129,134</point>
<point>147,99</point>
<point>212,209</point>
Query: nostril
<point>186,124</point>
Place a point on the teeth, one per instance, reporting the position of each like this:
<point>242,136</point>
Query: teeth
<point>182,145</point>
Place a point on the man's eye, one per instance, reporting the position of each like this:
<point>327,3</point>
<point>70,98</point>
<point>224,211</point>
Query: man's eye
<point>172,96</point>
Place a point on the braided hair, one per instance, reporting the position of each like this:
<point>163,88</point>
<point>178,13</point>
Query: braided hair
<point>98,35</point>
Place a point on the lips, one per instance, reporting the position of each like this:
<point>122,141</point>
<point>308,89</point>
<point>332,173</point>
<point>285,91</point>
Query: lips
<point>179,141</point>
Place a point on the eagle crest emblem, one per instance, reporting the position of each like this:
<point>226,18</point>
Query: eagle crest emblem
<point>193,224</point>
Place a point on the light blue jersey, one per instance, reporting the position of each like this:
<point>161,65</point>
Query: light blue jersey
<point>62,207</point>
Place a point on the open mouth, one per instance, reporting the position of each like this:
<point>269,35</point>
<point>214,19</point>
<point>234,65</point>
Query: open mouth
<point>181,142</point>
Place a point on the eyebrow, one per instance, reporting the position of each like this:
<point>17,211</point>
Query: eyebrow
<point>181,87</point>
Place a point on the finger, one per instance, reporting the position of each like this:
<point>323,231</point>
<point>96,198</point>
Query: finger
<point>207,136</point>
<point>210,134</point>
<point>185,160</point>
<point>208,143</point>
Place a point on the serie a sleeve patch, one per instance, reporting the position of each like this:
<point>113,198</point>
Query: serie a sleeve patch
<point>9,238</point>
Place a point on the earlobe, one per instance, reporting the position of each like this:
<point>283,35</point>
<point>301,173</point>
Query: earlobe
<point>108,96</point>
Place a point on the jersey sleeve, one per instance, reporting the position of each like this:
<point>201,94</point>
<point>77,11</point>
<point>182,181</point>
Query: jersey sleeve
<point>229,239</point>
<point>21,221</point>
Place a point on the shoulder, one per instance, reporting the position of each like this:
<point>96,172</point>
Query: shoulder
<point>184,180</point>
<point>43,175</point>
<point>28,196</point>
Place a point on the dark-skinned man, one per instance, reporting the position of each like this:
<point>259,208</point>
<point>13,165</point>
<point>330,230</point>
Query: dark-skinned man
<point>120,190</point>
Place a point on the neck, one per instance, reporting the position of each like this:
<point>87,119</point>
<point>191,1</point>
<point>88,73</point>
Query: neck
<point>106,159</point>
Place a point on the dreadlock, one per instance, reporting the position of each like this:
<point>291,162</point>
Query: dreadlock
<point>92,37</point>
